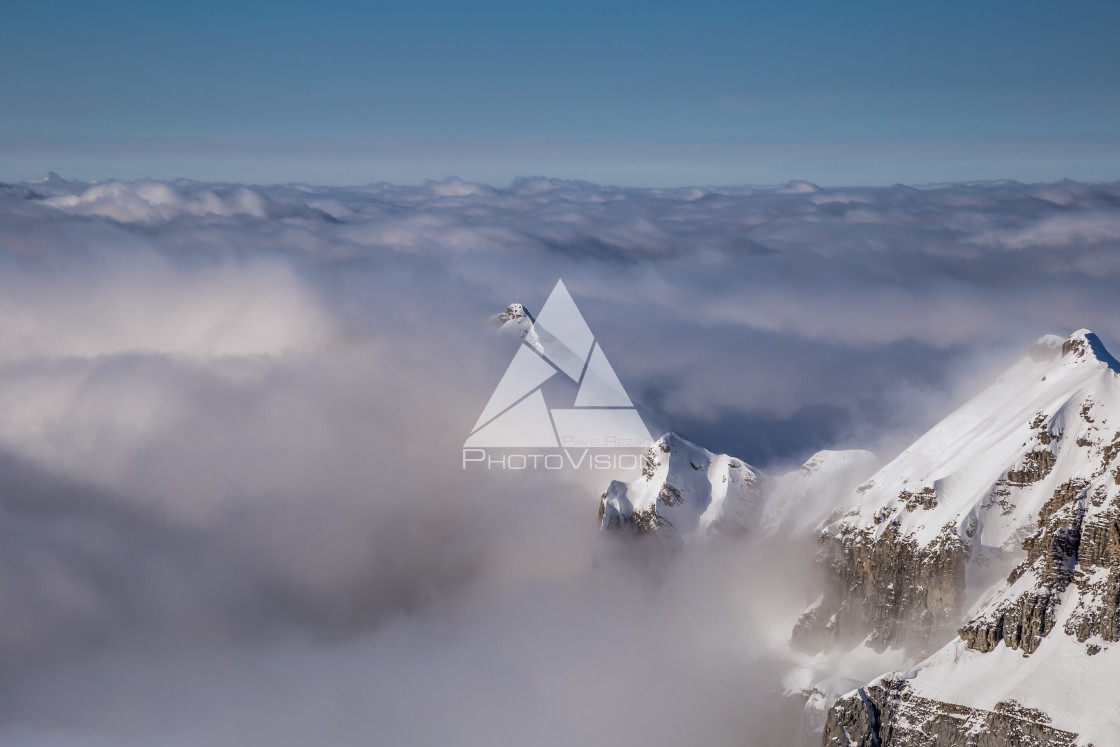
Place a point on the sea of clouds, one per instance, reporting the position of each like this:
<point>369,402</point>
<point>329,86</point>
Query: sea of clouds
<point>231,503</point>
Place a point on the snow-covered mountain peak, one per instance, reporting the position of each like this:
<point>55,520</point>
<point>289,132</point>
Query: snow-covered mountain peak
<point>51,178</point>
<point>1084,346</point>
<point>1038,650</point>
<point>916,535</point>
<point>1081,347</point>
<point>684,491</point>
<point>513,312</point>
<point>988,467</point>
<point>517,320</point>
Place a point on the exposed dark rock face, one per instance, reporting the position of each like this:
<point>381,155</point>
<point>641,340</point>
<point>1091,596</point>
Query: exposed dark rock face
<point>1077,347</point>
<point>889,714</point>
<point>1024,622</point>
<point>670,495</point>
<point>853,722</point>
<point>882,584</point>
<point>925,498</point>
<point>1037,465</point>
<point>643,521</point>
<point>1051,554</point>
<point>1098,578</point>
<point>1069,546</point>
<point>1041,425</point>
<point>887,588</point>
<point>1110,452</point>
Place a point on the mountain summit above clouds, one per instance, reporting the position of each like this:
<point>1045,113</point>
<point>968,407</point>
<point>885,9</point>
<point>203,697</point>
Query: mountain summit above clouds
<point>986,556</point>
<point>516,320</point>
<point>684,492</point>
<point>1024,476</point>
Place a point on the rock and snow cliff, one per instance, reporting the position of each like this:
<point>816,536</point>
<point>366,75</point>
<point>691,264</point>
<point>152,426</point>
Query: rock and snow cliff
<point>1031,464</point>
<point>993,542</point>
<point>965,495</point>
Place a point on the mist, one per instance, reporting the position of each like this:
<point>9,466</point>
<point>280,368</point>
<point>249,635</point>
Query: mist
<point>231,496</point>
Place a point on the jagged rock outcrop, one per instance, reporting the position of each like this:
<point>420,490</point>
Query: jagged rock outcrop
<point>1097,577</point>
<point>1078,542</point>
<point>889,713</point>
<point>1037,465</point>
<point>1022,621</point>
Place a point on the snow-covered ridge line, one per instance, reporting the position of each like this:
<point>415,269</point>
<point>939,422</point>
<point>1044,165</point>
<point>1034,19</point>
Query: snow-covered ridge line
<point>999,448</point>
<point>690,493</point>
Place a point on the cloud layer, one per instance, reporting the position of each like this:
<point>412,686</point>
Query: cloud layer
<point>230,495</point>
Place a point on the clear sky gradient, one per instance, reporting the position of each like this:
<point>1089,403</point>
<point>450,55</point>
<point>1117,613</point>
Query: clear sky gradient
<point>627,92</point>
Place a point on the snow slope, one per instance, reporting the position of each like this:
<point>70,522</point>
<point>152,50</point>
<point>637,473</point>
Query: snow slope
<point>973,470</point>
<point>800,501</point>
<point>1075,690</point>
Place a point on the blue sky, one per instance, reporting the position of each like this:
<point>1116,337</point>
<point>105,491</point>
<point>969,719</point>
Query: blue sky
<point>875,91</point>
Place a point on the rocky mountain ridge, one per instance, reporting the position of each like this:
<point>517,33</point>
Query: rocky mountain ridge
<point>986,556</point>
<point>1031,468</point>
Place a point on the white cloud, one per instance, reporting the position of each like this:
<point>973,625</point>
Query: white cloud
<point>229,422</point>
